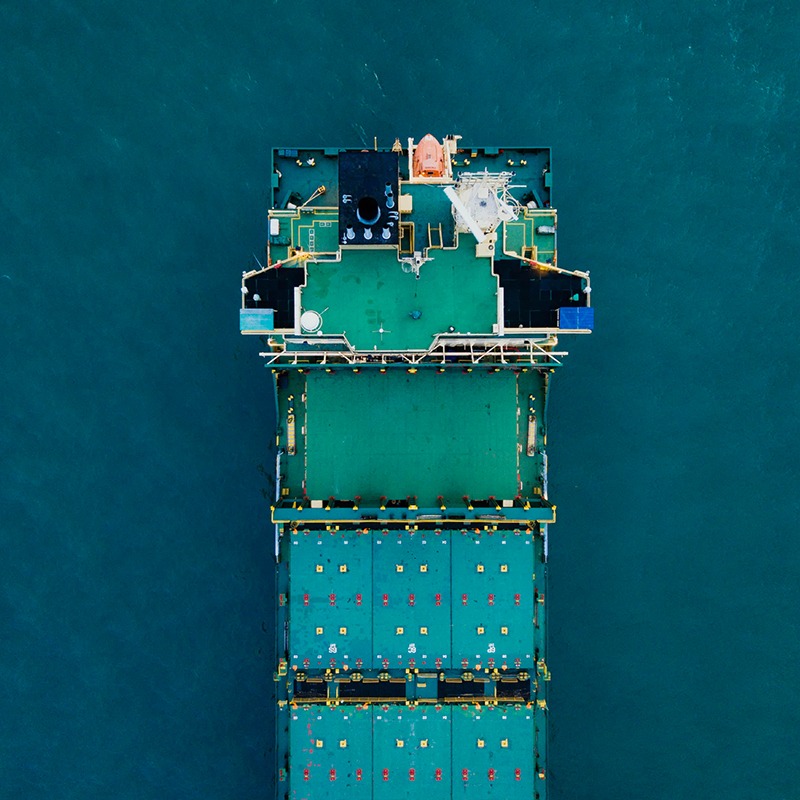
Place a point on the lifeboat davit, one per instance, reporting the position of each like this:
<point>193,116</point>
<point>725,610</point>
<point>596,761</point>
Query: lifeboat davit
<point>429,158</point>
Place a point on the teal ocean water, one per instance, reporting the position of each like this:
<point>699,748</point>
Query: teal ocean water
<point>134,656</point>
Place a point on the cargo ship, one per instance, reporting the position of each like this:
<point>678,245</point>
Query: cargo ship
<point>411,306</point>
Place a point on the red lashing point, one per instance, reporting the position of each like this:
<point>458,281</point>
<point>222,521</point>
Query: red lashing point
<point>438,775</point>
<point>411,774</point>
<point>464,774</point>
<point>333,774</point>
<point>305,774</point>
<point>411,599</point>
<point>491,599</point>
<point>332,598</point>
<point>386,774</point>
<point>305,599</point>
<point>517,774</point>
<point>516,599</point>
<point>463,599</point>
<point>491,774</point>
<point>438,599</point>
<point>386,599</point>
<point>359,773</point>
<point>358,599</point>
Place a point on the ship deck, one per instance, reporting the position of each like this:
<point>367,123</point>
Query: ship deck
<point>437,437</point>
<point>367,290</point>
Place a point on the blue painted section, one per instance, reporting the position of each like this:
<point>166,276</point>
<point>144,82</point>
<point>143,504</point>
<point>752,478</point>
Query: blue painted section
<point>252,320</point>
<point>572,319</point>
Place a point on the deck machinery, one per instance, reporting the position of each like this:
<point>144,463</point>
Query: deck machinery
<point>411,305</point>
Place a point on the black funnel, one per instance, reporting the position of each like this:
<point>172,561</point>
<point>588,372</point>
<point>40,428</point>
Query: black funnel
<point>368,211</point>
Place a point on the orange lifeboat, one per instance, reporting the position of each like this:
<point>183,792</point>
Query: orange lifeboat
<point>429,158</point>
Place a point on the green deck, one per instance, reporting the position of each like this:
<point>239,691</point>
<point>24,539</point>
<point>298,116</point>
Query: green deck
<point>396,434</point>
<point>521,237</point>
<point>368,290</point>
<point>399,434</point>
<point>316,230</point>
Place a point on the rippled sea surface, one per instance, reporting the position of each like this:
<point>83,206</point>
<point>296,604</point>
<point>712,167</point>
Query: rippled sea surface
<point>135,658</point>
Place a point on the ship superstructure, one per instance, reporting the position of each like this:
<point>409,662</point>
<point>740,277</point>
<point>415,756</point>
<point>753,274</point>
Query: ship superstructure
<point>412,304</point>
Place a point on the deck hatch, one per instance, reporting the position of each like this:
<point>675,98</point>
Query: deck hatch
<point>450,616</point>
